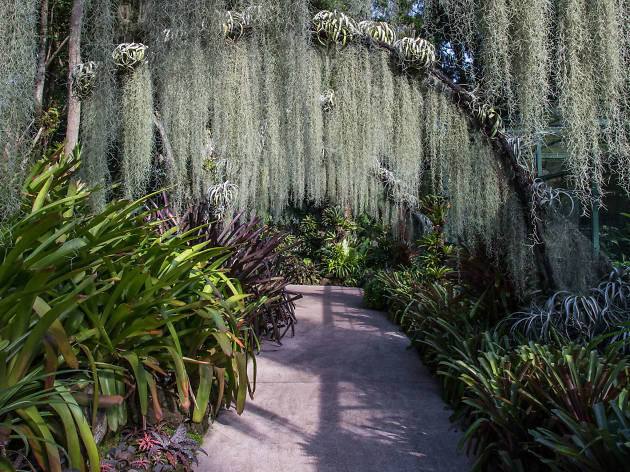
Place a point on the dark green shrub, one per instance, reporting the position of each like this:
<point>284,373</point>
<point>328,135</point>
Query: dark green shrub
<point>374,295</point>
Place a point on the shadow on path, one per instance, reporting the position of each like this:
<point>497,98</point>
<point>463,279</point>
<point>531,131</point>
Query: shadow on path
<point>344,395</point>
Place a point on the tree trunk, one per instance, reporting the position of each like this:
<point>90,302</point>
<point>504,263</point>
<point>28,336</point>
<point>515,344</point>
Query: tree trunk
<point>74,52</point>
<point>40,77</point>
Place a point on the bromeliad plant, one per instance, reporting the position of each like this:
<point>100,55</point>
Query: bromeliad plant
<point>142,314</point>
<point>255,259</point>
<point>378,30</point>
<point>128,56</point>
<point>334,27</point>
<point>578,317</point>
<point>415,54</point>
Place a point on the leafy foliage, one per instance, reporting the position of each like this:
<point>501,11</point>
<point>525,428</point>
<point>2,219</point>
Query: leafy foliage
<point>146,317</point>
<point>152,449</point>
<point>538,404</point>
<point>256,251</point>
<point>580,317</point>
<point>616,242</point>
<point>327,243</point>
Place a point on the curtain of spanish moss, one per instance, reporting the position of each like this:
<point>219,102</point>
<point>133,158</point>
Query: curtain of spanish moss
<point>99,112</point>
<point>137,131</point>
<point>18,49</point>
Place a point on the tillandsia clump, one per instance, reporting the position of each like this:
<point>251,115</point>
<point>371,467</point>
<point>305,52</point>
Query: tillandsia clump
<point>488,118</point>
<point>83,79</point>
<point>221,196</point>
<point>128,56</point>
<point>334,27</point>
<point>378,30</point>
<point>415,53</point>
<point>235,25</point>
<point>327,99</point>
<point>581,317</point>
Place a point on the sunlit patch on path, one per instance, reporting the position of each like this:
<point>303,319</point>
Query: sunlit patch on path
<point>343,395</point>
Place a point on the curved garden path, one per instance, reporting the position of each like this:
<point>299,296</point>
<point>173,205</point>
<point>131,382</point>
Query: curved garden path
<point>343,395</point>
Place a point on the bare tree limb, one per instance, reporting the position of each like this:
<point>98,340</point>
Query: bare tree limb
<point>57,51</point>
<point>74,53</point>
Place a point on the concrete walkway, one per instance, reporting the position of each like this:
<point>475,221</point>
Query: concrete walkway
<point>343,395</point>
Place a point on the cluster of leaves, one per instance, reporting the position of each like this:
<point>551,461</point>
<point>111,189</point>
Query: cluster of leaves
<point>524,404</point>
<point>152,449</point>
<point>327,243</point>
<point>101,311</point>
<point>427,267</point>
<point>580,317</point>
<point>253,261</point>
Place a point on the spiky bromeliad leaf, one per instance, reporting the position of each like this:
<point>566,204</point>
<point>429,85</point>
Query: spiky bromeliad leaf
<point>379,30</point>
<point>128,56</point>
<point>235,25</point>
<point>415,53</point>
<point>334,27</point>
<point>83,79</point>
<point>489,119</point>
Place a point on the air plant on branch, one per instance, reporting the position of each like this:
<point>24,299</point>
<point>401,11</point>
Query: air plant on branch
<point>378,30</point>
<point>551,197</point>
<point>327,99</point>
<point>334,27</point>
<point>397,188</point>
<point>415,53</point>
<point>83,79</point>
<point>488,118</point>
<point>235,25</point>
<point>128,56</point>
<point>221,196</point>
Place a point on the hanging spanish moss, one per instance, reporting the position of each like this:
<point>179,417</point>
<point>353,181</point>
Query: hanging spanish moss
<point>271,132</point>
<point>247,102</point>
<point>495,51</point>
<point>531,21</point>
<point>137,131</point>
<point>99,113</point>
<point>314,166</point>
<point>607,23</point>
<point>623,158</point>
<point>456,170</point>
<point>18,30</point>
<point>236,121</point>
<point>577,96</point>
<point>575,266</point>
<point>515,244</point>
<point>183,103</point>
<point>532,54</point>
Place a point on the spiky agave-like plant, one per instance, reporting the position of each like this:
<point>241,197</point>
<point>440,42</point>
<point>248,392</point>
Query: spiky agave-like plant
<point>128,56</point>
<point>415,53</point>
<point>334,27</point>
<point>379,30</point>
<point>489,119</point>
